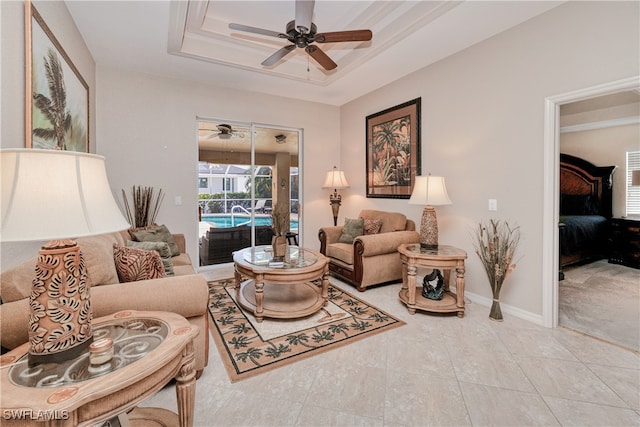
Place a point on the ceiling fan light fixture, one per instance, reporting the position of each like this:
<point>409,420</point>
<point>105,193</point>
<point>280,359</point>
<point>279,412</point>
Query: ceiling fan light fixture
<point>281,139</point>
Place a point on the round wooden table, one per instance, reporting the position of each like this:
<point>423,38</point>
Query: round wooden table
<point>284,290</point>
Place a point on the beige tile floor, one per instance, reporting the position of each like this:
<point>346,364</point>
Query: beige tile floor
<point>433,371</point>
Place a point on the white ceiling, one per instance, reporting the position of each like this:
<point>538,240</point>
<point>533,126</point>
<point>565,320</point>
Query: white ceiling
<point>190,40</point>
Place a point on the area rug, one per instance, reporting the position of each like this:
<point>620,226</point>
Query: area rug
<point>248,348</point>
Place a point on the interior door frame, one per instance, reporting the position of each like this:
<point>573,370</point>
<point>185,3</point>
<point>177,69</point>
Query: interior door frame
<point>550,214</point>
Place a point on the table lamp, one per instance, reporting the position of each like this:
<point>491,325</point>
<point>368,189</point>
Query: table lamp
<point>54,195</point>
<point>335,179</point>
<point>429,191</point>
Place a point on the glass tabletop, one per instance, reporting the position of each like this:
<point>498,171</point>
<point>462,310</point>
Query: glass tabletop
<point>295,257</point>
<point>132,340</point>
<point>416,248</point>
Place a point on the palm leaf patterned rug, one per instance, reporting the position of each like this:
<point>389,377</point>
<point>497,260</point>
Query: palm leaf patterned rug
<point>248,348</point>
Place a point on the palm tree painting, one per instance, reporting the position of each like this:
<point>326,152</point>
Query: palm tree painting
<point>393,150</point>
<point>59,98</point>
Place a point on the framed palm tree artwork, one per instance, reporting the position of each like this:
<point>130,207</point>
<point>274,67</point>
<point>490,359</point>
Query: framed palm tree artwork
<point>57,97</point>
<point>393,151</point>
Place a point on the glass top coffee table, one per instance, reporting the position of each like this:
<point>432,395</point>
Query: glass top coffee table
<point>286,290</point>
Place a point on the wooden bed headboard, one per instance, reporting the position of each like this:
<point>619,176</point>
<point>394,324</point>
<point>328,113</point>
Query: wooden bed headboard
<point>580,177</point>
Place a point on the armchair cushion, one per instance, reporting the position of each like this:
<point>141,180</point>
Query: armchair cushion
<point>372,226</point>
<point>352,229</point>
<point>391,221</point>
<point>341,251</point>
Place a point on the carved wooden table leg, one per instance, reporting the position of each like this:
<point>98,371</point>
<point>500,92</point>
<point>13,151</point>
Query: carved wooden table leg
<point>186,387</point>
<point>460,289</point>
<point>259,285</point>
<point>411,284</point>
<point>325,285</point>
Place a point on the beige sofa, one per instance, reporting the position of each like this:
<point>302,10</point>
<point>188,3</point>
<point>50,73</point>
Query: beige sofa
<point>373,258</point>
<point>185,293</point>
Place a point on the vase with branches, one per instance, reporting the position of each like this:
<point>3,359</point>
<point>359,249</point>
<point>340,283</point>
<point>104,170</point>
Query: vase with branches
<point>496,244</point>
<point>144,206</point>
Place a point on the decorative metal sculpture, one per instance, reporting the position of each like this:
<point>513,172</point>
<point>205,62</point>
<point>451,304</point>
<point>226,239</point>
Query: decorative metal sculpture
<point>433,292</point>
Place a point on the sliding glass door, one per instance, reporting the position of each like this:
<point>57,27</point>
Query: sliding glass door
<point>244,170</point>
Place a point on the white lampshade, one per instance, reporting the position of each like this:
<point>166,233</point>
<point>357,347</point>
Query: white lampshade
<point>429,190</point>
<point>335,179</point>
<point>52,194</point>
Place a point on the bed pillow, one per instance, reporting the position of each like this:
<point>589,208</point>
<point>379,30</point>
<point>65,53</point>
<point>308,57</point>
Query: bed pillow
<point>352,229</point>
<point>159,233</point>
<point>135,264</point>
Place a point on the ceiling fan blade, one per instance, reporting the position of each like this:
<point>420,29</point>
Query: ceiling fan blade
<point>344,36</point>
<point>255,30</point>
<point>304,15</point>
<point>321,57</point>
<point>278,55</point>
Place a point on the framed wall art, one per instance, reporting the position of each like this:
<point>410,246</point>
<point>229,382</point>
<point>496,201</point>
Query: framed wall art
<point>56,95</point>
<point>393,151</point>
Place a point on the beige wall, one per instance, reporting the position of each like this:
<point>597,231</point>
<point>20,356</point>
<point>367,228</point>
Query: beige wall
<point>483,127</point>
<point>606,147</point>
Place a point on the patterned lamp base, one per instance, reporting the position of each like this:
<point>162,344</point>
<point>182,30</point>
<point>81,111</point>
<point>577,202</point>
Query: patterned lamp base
<point>60,308</point>
<point>429,228</point>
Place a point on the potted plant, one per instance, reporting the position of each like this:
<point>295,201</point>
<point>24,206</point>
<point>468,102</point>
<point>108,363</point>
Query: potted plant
<point>144,207</point>
<point>280,225</point>
<point>496,245</point>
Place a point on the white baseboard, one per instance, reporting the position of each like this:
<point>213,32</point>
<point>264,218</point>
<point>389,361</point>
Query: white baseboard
<point>506,308</point>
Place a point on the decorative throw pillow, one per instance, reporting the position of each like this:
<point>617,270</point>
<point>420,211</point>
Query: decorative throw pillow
<point>135,264</point>
<point>352,229</point>
<point>159,233</point>
<point>372,226</point>
<point>162,248</point>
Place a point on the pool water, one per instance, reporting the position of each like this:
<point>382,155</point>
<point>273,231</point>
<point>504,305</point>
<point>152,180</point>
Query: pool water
<point>225,221</point>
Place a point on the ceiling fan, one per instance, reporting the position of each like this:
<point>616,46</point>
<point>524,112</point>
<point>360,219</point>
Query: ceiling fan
<point>302,33</point>
<point>225,131</point>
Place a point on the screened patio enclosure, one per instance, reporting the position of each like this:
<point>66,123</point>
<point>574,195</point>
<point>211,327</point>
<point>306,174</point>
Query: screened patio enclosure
<point>243,172</point>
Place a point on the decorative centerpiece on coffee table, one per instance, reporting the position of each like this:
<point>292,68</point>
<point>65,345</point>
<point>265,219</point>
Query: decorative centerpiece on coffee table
<point>496,244</point>
<point>280,225</point>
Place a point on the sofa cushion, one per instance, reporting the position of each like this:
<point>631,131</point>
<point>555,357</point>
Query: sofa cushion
<point>15,283</point>
<point>137,264</point>
<point>162,248</point>
<point>352,229</point>
<point>341,251</point>
<point>372,226</point>
<point>158,233</point>
<point>182,259</point>
<point>98,257</point>
<point>391,221</point>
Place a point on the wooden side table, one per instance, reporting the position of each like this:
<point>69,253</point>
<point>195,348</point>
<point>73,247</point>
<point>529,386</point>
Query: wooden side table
<point>444,258</point>
<point>150,348</point>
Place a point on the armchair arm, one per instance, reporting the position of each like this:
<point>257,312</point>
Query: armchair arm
<point>384,243</point>
<point>328,235</point>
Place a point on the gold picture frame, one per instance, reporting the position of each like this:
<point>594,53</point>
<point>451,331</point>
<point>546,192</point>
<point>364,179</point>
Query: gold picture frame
<point>393,151</point>
<point>56,95</point>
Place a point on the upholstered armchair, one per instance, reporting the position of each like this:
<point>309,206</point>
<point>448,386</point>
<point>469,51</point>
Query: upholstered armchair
<point>373,258</point>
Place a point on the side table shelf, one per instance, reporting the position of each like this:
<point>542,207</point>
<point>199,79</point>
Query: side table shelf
<point>448,303</point>
<point>446,258</point>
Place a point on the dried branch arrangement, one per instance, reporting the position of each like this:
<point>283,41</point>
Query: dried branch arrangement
<point>496,245</point>
<point>144,207</point>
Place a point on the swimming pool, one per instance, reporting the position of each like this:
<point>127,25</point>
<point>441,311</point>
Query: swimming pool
<point>224,220</point>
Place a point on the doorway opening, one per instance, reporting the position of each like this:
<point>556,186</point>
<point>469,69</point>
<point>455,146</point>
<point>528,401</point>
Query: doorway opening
<point>550,261</point>
<point>245,170</point>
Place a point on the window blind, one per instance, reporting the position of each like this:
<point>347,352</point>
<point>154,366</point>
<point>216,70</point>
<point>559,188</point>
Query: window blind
<point>633,192</point>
